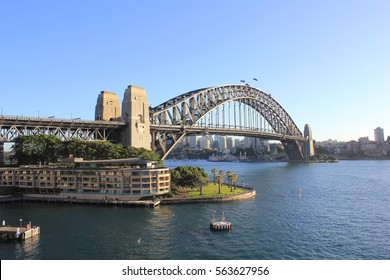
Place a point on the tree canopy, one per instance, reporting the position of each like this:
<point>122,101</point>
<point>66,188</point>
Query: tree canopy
<point>189,176</point>
<point>44,148</point>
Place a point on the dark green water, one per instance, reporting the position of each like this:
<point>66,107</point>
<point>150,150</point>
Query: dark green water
<point>344,213</point>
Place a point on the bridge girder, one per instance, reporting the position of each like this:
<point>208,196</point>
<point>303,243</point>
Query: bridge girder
<point>172,120</point>
<point>12,127</point>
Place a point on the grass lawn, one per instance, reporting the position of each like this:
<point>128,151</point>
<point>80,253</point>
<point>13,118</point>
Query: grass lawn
<point>210,190</point>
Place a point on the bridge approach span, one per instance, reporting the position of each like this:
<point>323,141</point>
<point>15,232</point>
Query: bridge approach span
<point>65,129</point>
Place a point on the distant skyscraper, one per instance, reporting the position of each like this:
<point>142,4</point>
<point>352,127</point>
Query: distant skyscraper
<point>221,143</point>
<point>248,142</point>
<point>192,141</point>
<point>309,145</point>
<point>229,143</point>
<point>379,135</point>
<point>204,142</point>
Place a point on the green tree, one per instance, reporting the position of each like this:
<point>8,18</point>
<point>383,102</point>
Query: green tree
<point>132,152</point>
<point>35,149</point>
<point>189,176</point>
<point>221,175</point>
<point>228,176</point>
<point>233,178</point>
<point>48,148</point>
<point>219,179</point>
<point>214,171</point>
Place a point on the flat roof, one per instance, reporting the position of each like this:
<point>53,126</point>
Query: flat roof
<point>109,161</point>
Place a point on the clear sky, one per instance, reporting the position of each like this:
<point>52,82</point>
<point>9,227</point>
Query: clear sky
<point>326,62</point>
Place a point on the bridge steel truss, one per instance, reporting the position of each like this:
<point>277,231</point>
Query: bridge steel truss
<point>65,129</point>
<point>186,115</point>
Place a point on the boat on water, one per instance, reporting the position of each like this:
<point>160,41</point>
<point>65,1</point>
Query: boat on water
<point>224,158</point>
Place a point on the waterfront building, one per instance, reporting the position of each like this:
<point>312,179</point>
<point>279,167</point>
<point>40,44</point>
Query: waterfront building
<point>352,146</point>
<point>121,179</point>
<point>379,136</point>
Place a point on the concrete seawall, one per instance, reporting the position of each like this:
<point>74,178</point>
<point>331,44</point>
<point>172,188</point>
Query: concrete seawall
<point>116,200</point>
<point>248,193</point>
<point>124,200</point>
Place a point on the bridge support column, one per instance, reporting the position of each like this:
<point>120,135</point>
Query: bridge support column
<point>293,150</point>
<point>1,153</point>
<point>309,144</point>
<point>135,112</point>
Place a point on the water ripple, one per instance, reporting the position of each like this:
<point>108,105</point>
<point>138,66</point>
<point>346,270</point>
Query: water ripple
<point>343,213</point>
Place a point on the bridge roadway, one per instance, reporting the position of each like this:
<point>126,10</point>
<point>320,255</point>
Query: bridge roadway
<point>202,130</point>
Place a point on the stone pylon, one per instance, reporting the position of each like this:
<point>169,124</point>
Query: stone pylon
<point>107,107</point>
<point>1,153</point>
<point>135,112</point>
<point>309,144</point>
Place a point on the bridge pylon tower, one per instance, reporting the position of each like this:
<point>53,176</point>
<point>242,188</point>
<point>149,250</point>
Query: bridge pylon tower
<point>309,144</point>
<point>135,113</point>
<point>107,107</point>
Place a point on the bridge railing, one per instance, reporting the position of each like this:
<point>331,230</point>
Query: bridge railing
<point>4,118</point>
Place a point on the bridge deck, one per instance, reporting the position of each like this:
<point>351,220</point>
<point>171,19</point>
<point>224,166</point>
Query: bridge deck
<point>9,121</point>
<point>198,130</point>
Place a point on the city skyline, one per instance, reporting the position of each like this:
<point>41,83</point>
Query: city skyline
<point>323,62</point>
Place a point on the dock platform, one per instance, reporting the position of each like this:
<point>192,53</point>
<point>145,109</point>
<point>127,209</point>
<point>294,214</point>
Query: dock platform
<point>18,233</point>
<point>220,225</point>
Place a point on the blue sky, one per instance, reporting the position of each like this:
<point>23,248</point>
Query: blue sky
<point>326,62</point>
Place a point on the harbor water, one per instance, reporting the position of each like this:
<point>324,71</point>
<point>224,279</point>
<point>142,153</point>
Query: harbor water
<point>301,211</point>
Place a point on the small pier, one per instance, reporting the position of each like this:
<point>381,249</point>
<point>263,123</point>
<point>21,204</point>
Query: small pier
<point>220,225</point>
<point>18,233</point>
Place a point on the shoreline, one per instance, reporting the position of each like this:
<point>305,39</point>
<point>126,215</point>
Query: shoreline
<point>247,194</point>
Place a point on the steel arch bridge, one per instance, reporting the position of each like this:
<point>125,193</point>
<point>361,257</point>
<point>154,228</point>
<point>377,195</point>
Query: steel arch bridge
<point>234,109</point>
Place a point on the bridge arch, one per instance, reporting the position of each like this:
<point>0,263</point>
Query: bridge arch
<point>184,115</point>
